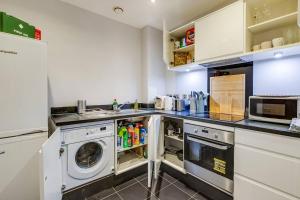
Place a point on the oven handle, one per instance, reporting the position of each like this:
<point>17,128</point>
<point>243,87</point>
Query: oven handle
<point>222,147</point>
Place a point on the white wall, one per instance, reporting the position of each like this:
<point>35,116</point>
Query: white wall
<point>277,77</point>
<point>185,82</point>
<point>154,70</point>
<point>89,56</point>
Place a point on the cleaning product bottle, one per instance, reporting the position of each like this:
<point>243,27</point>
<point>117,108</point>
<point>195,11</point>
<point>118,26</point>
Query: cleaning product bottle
<point>130,131</point>
<point>136,105</point>
<point>137,134</point>
<point>125,137</point>
<point>143,134</point>
<point>122,131</point>
<point>115,104</point>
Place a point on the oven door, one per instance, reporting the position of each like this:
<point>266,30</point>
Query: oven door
<point>209,160</point>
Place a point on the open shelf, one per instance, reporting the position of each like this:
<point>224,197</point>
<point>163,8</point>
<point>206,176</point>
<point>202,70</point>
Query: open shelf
<point>174,137</point>
<point>279,21</point>
<point>129,161</point>
<point>181,31</point>
<point>186,49</point>
<point>129,148</point>
<point>174,162</point>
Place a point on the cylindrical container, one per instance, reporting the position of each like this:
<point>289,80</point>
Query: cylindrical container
<point>136,135</point>
<point>81,106</point>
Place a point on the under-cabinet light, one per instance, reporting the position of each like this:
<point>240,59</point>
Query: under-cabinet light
<point>278,55</point>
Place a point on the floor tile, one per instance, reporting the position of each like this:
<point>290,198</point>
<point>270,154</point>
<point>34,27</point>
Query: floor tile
<point>167,177</point>
<point>104,193</point>
<point>153,197</point>
<point>172,193</point>
<point>126,184</point>
<point>142,177</point>
<point>113,197</point>
<point>156,185</point>
<point>198,196</point>
<point>135,192</point>
<point>92,198</point>
<point>184,188</point>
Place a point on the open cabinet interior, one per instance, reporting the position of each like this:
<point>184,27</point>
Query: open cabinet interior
<point>270,19</point>
<point>131,143</point>
<point>173,143</point>
<point>182,46</point>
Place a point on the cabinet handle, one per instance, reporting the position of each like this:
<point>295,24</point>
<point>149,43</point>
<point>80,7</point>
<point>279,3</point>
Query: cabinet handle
<point>9,52</point>
<point>2,152</point>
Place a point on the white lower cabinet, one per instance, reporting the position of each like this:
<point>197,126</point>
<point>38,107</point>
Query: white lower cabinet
<point>19,167</point>
<point>266,168</point>
<point>51,168</point>
<point>163,142</point>
<point>246,189</point>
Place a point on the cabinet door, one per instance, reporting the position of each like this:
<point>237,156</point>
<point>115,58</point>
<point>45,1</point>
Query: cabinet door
<point>166,38</point>
<point>246,189</point>
<point>220,33</point>
<point>19,177</point>
<point>158,144</point>
<point>51,168</point>
<point>23,77</point>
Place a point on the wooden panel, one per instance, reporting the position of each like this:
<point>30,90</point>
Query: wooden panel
<point>246,189</point>
<point>228,94</point>
<point>275,170</point>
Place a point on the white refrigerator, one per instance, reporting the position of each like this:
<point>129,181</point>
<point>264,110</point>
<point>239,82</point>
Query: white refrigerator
<point>23,115</point>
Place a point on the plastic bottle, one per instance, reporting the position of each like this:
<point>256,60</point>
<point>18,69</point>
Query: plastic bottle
<point>125,138</point>
<point>122,131</point>
<point>115,104</point>
<point>130,131</point>
<point>136,105</point>
<point>137,134</point>
<point>143,135</point>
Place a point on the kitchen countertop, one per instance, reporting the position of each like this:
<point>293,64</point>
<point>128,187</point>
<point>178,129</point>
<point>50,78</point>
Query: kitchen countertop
<point>74,118</point>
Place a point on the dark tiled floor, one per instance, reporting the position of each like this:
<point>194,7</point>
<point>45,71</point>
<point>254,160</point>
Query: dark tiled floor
<point>164,188</point>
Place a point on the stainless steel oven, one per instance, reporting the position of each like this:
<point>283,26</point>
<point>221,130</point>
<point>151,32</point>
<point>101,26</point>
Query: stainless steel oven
<point>274,109</point>
<point>209,155</point>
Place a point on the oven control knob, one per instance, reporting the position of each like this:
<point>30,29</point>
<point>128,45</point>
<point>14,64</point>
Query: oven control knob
<point>195,130</point>
<point>216,137</point>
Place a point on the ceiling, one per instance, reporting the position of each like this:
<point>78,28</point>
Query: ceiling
<point>141,13</point>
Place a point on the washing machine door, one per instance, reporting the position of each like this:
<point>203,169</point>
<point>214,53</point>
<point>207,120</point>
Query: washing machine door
<point>87,159</point>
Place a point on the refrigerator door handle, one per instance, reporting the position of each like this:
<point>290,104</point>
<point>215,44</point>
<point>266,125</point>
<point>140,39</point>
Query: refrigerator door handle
<point>9,52</point>
<point>2,152</point>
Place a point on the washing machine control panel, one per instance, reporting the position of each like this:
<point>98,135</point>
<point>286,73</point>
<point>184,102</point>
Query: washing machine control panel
<point>88,133</point>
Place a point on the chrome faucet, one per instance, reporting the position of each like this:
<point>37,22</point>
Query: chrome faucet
<point>122,105</point>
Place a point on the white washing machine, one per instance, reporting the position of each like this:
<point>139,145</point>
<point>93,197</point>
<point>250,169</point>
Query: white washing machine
<point>88,153</point>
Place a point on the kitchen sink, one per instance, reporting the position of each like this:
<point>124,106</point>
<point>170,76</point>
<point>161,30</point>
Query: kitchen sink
<point>110,113</point>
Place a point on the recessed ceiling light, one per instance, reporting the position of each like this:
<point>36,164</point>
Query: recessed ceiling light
<point>278,55</point>
<point>153,1</point>
<point>187,70</point>
<point>118,10</point>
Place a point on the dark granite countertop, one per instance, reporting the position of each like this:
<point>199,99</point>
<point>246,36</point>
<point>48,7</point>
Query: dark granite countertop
<point>74,118</point>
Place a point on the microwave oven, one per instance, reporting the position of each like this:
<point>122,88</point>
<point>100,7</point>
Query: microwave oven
<point>274,109</point>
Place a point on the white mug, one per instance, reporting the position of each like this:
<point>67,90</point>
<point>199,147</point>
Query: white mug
<point>266,45</point>
<point>278,42</point>
<point>256,47</point>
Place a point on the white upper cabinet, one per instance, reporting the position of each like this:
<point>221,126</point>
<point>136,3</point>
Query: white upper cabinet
<point>220,33</point>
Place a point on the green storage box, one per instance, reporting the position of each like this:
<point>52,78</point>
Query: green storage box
<point>13,25</point>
